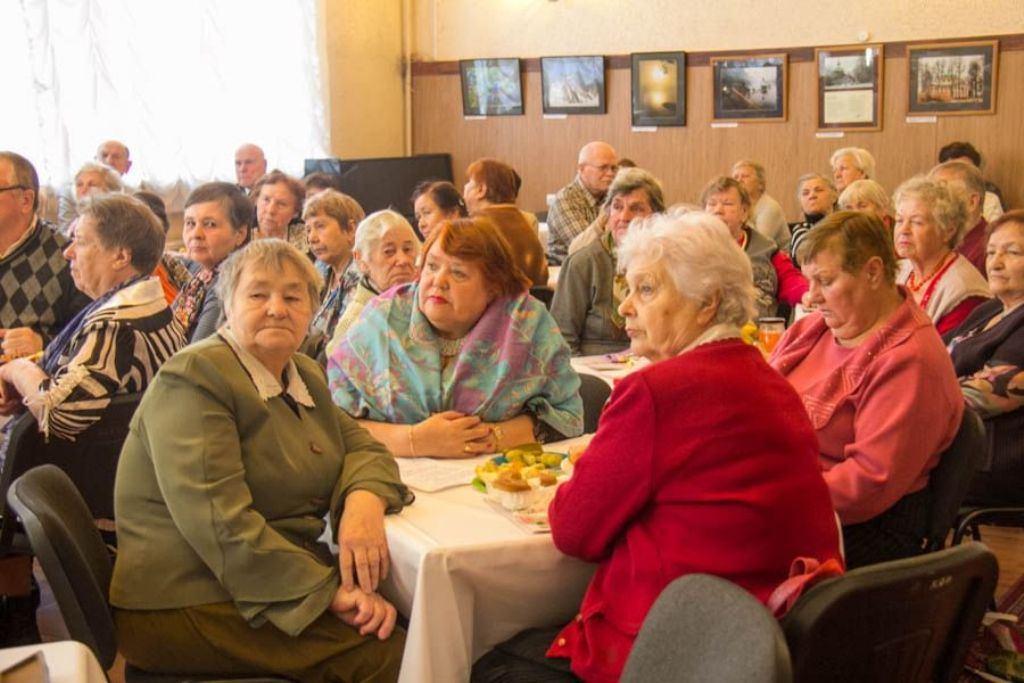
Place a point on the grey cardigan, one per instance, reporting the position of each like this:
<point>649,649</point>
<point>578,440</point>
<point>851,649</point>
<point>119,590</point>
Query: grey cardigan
<point>582,305</point>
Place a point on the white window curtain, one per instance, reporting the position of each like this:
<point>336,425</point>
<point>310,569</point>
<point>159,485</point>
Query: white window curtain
<point>181,82</point>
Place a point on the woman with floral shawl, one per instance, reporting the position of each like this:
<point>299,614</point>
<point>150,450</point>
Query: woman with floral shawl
<point>461,362</point>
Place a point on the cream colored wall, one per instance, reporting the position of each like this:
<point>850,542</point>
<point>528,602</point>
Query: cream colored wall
<point>362,41</point>
<point>462,29</point>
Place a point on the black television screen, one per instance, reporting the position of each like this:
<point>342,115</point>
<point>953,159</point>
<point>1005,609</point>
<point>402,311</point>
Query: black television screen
<point>386,182</point>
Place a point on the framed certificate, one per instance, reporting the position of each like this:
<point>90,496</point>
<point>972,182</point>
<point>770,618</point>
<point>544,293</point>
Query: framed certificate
<point>849,87</point>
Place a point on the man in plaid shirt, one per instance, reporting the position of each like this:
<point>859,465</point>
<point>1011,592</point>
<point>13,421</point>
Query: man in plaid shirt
<point>577,204</point>
<point>37,294</point>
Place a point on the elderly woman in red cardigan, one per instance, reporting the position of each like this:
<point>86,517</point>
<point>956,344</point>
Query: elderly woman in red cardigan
<point>703,461</point>
<point>877,383</point>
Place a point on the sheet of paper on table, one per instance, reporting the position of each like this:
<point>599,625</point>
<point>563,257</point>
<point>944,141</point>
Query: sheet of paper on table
<point>437,474</point>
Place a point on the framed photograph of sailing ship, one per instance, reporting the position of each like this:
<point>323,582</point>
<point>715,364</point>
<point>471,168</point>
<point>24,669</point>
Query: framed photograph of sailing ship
<point>953,78</point>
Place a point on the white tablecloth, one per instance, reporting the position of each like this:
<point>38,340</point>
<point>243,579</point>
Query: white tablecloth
<point>469,578</point>
<point>66,661</point>
<point>600,366</point>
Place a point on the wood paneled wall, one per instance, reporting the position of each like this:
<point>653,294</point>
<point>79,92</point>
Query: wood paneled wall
<point>544,151</point>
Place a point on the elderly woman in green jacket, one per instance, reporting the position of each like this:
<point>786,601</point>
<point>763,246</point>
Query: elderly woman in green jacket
<point>235,456</point>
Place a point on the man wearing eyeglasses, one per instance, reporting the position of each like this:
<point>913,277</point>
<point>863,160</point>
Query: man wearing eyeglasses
<point>37,295</point>
<point>578,203</point>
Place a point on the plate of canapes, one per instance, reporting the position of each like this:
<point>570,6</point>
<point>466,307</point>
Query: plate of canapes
<point>522,478</point>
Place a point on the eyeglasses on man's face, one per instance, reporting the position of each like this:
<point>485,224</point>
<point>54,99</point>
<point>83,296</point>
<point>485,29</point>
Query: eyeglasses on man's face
<point>13,187</point>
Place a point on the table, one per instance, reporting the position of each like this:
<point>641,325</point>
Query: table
<point>469,578</point>
<point>67,661</point>
<point>600,366</point>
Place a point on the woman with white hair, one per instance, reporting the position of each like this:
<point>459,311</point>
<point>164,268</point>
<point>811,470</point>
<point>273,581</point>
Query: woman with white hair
<point>386,250</point>
<point>91,179</point>
<point>715,484</point>
<point>851,163</point>
<point>930,222</point>
<point>869,197</point>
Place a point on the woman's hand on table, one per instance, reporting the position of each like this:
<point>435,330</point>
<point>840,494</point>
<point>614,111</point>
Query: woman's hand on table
<point>368,612</point>
<point>452,435</point>
<point>362,546</point>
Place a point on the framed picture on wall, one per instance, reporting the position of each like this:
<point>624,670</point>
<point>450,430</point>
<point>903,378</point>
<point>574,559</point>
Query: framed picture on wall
<point>953,78</point>
<point>491,87</point>
<point>659,89</point>
<point>573,85</point>
<point>750,88</point>
<point>850,87</point>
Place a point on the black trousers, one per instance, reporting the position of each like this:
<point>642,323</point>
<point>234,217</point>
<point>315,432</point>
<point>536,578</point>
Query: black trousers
<point>897,533</point>
<point>521,660</point>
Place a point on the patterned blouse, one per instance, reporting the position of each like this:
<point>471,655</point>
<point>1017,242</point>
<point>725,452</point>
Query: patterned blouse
<point>333,298</point>
<point>118,350</point>
<point>389,367</point>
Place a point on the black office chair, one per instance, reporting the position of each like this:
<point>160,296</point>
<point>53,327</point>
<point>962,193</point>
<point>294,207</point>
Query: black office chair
<point>543,294</point>
<point>704,628</point>
<point>595,392</point>
<point>90,460</point>
<point>906,621</point>
<point>77,565</point>
<point>949,482</point>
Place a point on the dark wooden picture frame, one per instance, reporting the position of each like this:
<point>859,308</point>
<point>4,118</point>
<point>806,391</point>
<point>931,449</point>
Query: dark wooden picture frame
<point>850,80</point>
<point>573,85</point>
<point>491,87</point>
<point>750,87</point>
<point>659,88</point>
<point>952,78</point>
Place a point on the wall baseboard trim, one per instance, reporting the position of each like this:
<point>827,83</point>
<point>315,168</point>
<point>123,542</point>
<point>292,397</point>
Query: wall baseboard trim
<point>1011,41</point>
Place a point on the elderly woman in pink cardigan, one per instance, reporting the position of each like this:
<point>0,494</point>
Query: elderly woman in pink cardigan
<point>877,384</point>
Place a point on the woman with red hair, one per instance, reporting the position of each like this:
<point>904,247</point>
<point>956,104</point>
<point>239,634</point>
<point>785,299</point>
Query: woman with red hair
<point>491,190</point>
<point>461,362</point>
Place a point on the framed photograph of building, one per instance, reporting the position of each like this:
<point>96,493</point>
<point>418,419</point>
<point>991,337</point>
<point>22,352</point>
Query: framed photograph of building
<point>750,88</point>
<point>573,85</point>
<point>953,78</point>
<point>850,87</point>
<point>491,87</point>
<point>659,89</point>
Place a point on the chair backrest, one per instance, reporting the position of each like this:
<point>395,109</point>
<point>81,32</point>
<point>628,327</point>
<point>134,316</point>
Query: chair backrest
<point>909,620</point>
<point>543,294</point>
<point>76,563</point>
<point>949,482</point>
<point>90,460</point>
<point>595,392</point>
<point>704,628</point>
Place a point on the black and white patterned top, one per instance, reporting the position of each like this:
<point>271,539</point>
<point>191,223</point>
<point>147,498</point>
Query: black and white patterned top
<point>36,289</point>
<point>118,350</point>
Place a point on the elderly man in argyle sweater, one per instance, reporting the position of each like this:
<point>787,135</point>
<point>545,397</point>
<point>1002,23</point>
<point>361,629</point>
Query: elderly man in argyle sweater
<point>37,295</point>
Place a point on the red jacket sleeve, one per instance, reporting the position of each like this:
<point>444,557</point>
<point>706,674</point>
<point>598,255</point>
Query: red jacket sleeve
<point>792,283</point>
<point>958,314</point>
<point>612,481</point>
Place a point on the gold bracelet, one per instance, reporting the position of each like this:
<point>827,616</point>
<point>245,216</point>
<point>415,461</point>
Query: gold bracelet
<point>412,446</point>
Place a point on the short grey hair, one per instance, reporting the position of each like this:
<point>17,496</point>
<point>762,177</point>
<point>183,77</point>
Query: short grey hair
<point>630,179</point>
<point>814,176</point>
<point>700,256</point>
<point>967,173</point>
<point>111,178</point>
<point>372,229</point>
<point>269,254</point>
<point>868,191</point>
<point>762,178</point>
<point>123,222</point>
<point>947,207</point>
<point>862,159</point>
